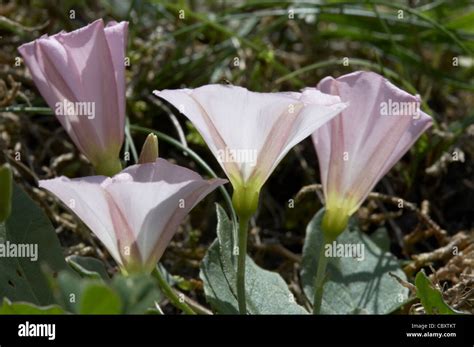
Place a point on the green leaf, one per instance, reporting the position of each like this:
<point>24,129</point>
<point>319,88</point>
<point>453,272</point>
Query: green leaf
<point>463,22</point>
<point>67,288</point>
<point>138,292</point>
<point>9,307</point>
<point>353,286</point>
<point>430,297</point>
<point>98,298</point>
<point>267,292</point>
<point>381,239</point>
<point>22,278</point>
<point>88,267</point>
<point>134,294</point>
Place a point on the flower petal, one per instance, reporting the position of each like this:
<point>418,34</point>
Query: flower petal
<point>85,197</point>
<point>294,127</point>
<point>116,35</point>
<point>152,195</point>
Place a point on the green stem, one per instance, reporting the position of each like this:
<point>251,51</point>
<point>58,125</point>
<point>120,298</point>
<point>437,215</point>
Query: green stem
<point>170,293</point>
<point>28,109</point>
<point>320,276</point>
<point>243,230</point>
<point>129,140</point>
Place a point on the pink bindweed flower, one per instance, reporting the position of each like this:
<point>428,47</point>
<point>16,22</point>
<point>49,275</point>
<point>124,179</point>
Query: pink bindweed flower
<point>81,75</point>
<point>136,212</point>
<point>358,147</point>
<point>249,133</point>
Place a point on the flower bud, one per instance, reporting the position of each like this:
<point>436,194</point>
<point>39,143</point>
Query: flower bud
<point>149,152</point>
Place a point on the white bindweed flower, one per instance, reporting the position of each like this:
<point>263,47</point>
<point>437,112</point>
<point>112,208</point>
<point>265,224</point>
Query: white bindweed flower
<point>249,133</point>
<point>358,147</point>
<point>81,75</point>
<point>136,212</point>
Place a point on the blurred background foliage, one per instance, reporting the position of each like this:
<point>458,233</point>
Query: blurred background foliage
<point>425,47</point>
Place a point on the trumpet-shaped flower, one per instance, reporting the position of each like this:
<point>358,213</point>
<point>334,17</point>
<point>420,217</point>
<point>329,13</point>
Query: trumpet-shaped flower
<point>249,133</point>
<point>81,75</point>
<point>136,212</point>
<point>358,147</point>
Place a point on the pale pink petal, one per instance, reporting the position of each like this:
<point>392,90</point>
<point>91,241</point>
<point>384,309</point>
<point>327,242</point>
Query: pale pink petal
<point>35,63</point>
<point>89,53</point>
<point>65,82</point>
<point>85,197</point>
<point>51,84</point>
<point>116,35</point>
<point>153,194</point>
<point>292,128</point>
